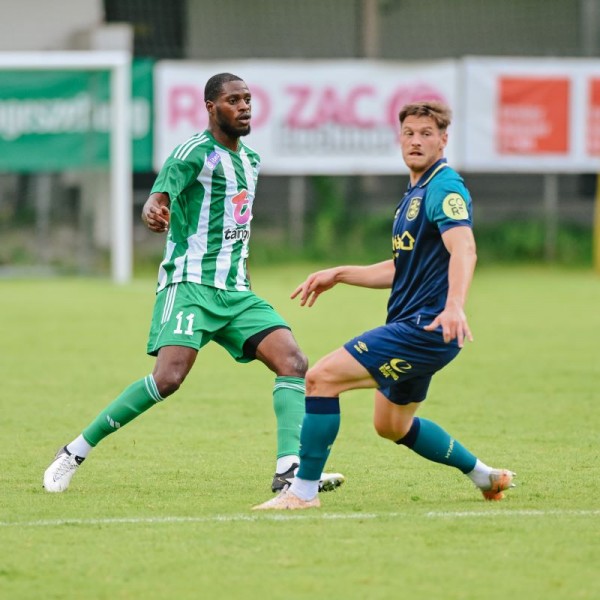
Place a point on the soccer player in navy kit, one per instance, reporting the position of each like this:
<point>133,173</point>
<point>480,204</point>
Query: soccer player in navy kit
<point>430,272</point>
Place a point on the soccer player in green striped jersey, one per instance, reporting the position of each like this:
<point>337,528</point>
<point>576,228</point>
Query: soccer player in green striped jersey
<point>203,199</point>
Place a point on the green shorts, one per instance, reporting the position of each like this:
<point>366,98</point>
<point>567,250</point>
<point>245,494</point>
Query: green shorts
<point>191,314</point>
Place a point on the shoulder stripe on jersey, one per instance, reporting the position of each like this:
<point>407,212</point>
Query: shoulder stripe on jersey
<point>179,148</point>
<point>439,168</point>
<point>184,150</point>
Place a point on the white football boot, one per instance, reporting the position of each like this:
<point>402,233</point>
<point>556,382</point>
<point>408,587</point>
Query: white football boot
<point>59,474</point>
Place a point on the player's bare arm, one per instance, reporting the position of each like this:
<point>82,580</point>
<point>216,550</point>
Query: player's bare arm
<point>460,243</point>
<point>376,276</point>
<point>155,212</point>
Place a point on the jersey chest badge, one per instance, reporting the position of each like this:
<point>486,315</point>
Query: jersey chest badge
<point>413,209</point>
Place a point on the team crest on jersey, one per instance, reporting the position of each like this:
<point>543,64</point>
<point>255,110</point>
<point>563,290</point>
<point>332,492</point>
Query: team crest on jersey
<point>455,207</point>
<point>212,160</point>
<point>413,209</point>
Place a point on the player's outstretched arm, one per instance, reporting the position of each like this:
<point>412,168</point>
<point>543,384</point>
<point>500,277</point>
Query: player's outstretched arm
<point>377,276</point>
<point>155,212</point>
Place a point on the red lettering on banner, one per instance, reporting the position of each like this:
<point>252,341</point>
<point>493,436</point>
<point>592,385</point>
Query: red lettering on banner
<point>533,115</point>
<point>593,125</point>
<point>186,106</point>
<point>311,108</point>
<point>301,96</point>
<point>329,109</point>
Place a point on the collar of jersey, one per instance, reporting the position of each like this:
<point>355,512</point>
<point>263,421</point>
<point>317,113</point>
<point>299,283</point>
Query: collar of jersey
<point>211,136</point>
<point>442,163</point>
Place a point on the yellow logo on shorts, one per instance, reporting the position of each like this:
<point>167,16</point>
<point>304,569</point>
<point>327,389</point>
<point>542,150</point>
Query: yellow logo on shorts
<point>395,366</point>
<point>455,207</point>
<point>360,347</point>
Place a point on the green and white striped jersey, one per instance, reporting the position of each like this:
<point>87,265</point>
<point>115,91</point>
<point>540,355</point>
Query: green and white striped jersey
<point>212,191</point>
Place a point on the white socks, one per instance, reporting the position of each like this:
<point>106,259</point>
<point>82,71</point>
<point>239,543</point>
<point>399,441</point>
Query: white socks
<point>79,447</point>
<point>304,488</point>
<point>480,475</point>
<point>285,463</point>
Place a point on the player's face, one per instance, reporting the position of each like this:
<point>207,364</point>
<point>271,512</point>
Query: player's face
<point>422,143</point>
<point>231,110</point>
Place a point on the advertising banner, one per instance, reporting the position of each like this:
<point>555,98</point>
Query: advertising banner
<point>309,117</point>
<point>54,120</point>
<point>532,115</point>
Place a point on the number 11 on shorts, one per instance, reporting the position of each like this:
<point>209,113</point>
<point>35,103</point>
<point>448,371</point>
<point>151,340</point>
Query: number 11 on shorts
<point>190,323</point>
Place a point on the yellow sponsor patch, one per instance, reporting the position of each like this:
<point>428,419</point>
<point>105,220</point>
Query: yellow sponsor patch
<point>455,207</point>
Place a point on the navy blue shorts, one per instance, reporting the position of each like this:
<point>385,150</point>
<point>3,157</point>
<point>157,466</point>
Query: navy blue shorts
<point>402,359</point>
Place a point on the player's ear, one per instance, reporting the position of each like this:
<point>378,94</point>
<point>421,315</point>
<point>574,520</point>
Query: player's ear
<point>444,139</point>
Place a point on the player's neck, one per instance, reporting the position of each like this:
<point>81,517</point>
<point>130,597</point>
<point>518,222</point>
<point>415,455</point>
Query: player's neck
<point>232,143</point>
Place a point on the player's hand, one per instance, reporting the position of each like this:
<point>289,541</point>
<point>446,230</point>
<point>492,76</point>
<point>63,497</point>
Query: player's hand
<point>314,285</point>
<point>156,218</point>
<point>454,326</point>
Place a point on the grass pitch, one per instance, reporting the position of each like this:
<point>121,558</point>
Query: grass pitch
<point>162,508</point>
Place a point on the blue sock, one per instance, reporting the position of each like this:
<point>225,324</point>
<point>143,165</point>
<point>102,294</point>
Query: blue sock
<point>433,443</point>
<point>319,430</point>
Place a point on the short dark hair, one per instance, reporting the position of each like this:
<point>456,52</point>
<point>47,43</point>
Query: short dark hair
<point>214,86</point>
<point>438,111</point>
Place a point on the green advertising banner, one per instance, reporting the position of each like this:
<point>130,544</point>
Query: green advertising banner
<point>55,120</point>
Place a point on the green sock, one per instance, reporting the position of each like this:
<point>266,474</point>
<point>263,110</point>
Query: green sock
<point>288,403</point>
<point>319,430</point>
<point>133,401</point>
<point>433,443</point>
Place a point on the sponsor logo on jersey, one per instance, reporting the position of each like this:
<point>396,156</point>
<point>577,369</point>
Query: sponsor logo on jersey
<point>241,211</point>
<point>237,234</point>
<point>360,347</point>
<point>212,160</point>
<point>394,367</point>
<point>455,207</point>
<point>403,242</point>
<point>413,209</point>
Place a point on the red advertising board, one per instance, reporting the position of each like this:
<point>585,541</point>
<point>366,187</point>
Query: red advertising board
<point>593,124</point>
<point>533,115</point>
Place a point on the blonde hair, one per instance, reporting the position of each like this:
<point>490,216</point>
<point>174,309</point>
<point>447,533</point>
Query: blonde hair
<point>439,112</point>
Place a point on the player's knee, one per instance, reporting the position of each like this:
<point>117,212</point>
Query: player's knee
<point>300,364</point>
<point>294,364</point>
<point>391,431</point>
<point>383,431</point>
<point>168,383</point>
<point>316,381</point>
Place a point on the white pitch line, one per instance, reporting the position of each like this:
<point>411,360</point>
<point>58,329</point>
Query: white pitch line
<point>286,516</point>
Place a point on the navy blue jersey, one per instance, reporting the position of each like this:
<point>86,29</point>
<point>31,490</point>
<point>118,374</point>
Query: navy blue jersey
<point>437,202</point>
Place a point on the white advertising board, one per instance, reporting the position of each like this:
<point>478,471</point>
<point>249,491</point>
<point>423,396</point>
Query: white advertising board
<point>531,115</point>
<point>309,117</point>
